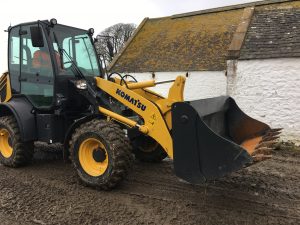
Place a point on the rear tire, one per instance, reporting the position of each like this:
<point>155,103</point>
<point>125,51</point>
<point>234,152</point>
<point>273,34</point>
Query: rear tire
<point>147,149</point>
<point>13,152</point>
<point>101,154</point>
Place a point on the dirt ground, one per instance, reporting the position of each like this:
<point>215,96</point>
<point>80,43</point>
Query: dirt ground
<point>48,192</point>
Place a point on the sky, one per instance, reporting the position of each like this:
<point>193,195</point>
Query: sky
<point>97,14</point>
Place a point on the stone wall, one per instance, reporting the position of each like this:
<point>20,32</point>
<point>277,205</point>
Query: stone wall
<point>268,90</point>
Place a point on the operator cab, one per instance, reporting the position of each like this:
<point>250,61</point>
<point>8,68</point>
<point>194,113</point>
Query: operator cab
<point>41,56</point>
<point>50,65</point>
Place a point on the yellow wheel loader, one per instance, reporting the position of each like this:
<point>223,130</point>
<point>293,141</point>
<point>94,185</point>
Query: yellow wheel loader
<point>54,92</point>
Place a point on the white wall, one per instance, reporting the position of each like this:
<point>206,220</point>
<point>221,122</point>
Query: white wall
<point>3,52</point>
<point>268,90</point>
<point>198,84</point>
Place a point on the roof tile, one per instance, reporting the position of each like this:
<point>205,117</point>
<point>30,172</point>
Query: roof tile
<point>273,33</point>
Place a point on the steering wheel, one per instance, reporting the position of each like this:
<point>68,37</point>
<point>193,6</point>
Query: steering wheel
<point>83,70</point>
<point>68,62</point>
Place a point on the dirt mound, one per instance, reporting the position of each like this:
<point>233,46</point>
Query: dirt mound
<point>48,192</point>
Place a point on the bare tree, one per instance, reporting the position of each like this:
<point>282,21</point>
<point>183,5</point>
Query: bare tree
<point>111,40</point>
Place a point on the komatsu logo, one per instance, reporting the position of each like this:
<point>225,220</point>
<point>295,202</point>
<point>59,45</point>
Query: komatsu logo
<point>133,101</point>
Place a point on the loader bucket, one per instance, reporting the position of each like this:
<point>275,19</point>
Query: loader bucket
<point>213,137</point>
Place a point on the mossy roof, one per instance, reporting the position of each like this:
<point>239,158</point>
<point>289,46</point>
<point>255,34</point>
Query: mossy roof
<point>274,32</point>
<point>196,41</point>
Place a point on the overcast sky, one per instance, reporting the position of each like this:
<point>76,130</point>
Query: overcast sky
<point>98,14</point>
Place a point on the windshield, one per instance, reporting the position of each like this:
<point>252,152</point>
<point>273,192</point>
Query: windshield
<point>78,45</point>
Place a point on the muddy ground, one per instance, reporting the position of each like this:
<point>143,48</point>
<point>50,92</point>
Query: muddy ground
<point>48,192</point>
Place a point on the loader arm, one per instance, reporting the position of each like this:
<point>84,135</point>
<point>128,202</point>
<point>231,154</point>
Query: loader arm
<point>154,109</point>
<point>165,104</point>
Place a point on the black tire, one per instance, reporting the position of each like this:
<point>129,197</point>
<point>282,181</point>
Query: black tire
<point>147,149</point>
<point>117,151</point>
<point>22,152</point>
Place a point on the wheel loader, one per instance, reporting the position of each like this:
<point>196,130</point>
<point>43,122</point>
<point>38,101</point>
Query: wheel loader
<point>55,92</point>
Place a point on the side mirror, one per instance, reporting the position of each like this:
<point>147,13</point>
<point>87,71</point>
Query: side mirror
<point>37,36</point>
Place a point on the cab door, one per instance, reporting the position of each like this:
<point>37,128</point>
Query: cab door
<point>37,76</point>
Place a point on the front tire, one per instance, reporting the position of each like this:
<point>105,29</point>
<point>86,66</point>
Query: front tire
<point>101,154</point>
<point>13,151</point>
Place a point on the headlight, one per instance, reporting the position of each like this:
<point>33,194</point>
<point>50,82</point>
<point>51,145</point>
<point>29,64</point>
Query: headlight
<point>91,31</point>
<point>53,22</point>
<point>81,84</point>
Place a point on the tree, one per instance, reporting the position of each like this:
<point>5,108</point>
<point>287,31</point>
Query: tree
<point>111,40</point>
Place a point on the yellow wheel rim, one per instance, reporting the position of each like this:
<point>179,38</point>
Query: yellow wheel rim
<point>93,157</point>
<point>5,143</point>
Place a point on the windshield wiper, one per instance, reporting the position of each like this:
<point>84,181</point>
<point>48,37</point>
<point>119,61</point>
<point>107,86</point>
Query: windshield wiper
<point>75,69</point>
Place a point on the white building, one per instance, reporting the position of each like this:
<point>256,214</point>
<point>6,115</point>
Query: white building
<point>249,51</point>
<point>264,67</point>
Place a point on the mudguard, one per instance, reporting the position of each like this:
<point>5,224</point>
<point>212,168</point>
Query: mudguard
<point>22,110</point>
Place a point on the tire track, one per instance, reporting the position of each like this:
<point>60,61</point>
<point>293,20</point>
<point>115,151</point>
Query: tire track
<point>48,192</point>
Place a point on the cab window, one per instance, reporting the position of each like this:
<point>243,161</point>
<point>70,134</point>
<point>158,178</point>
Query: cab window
<point>37,76</point>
